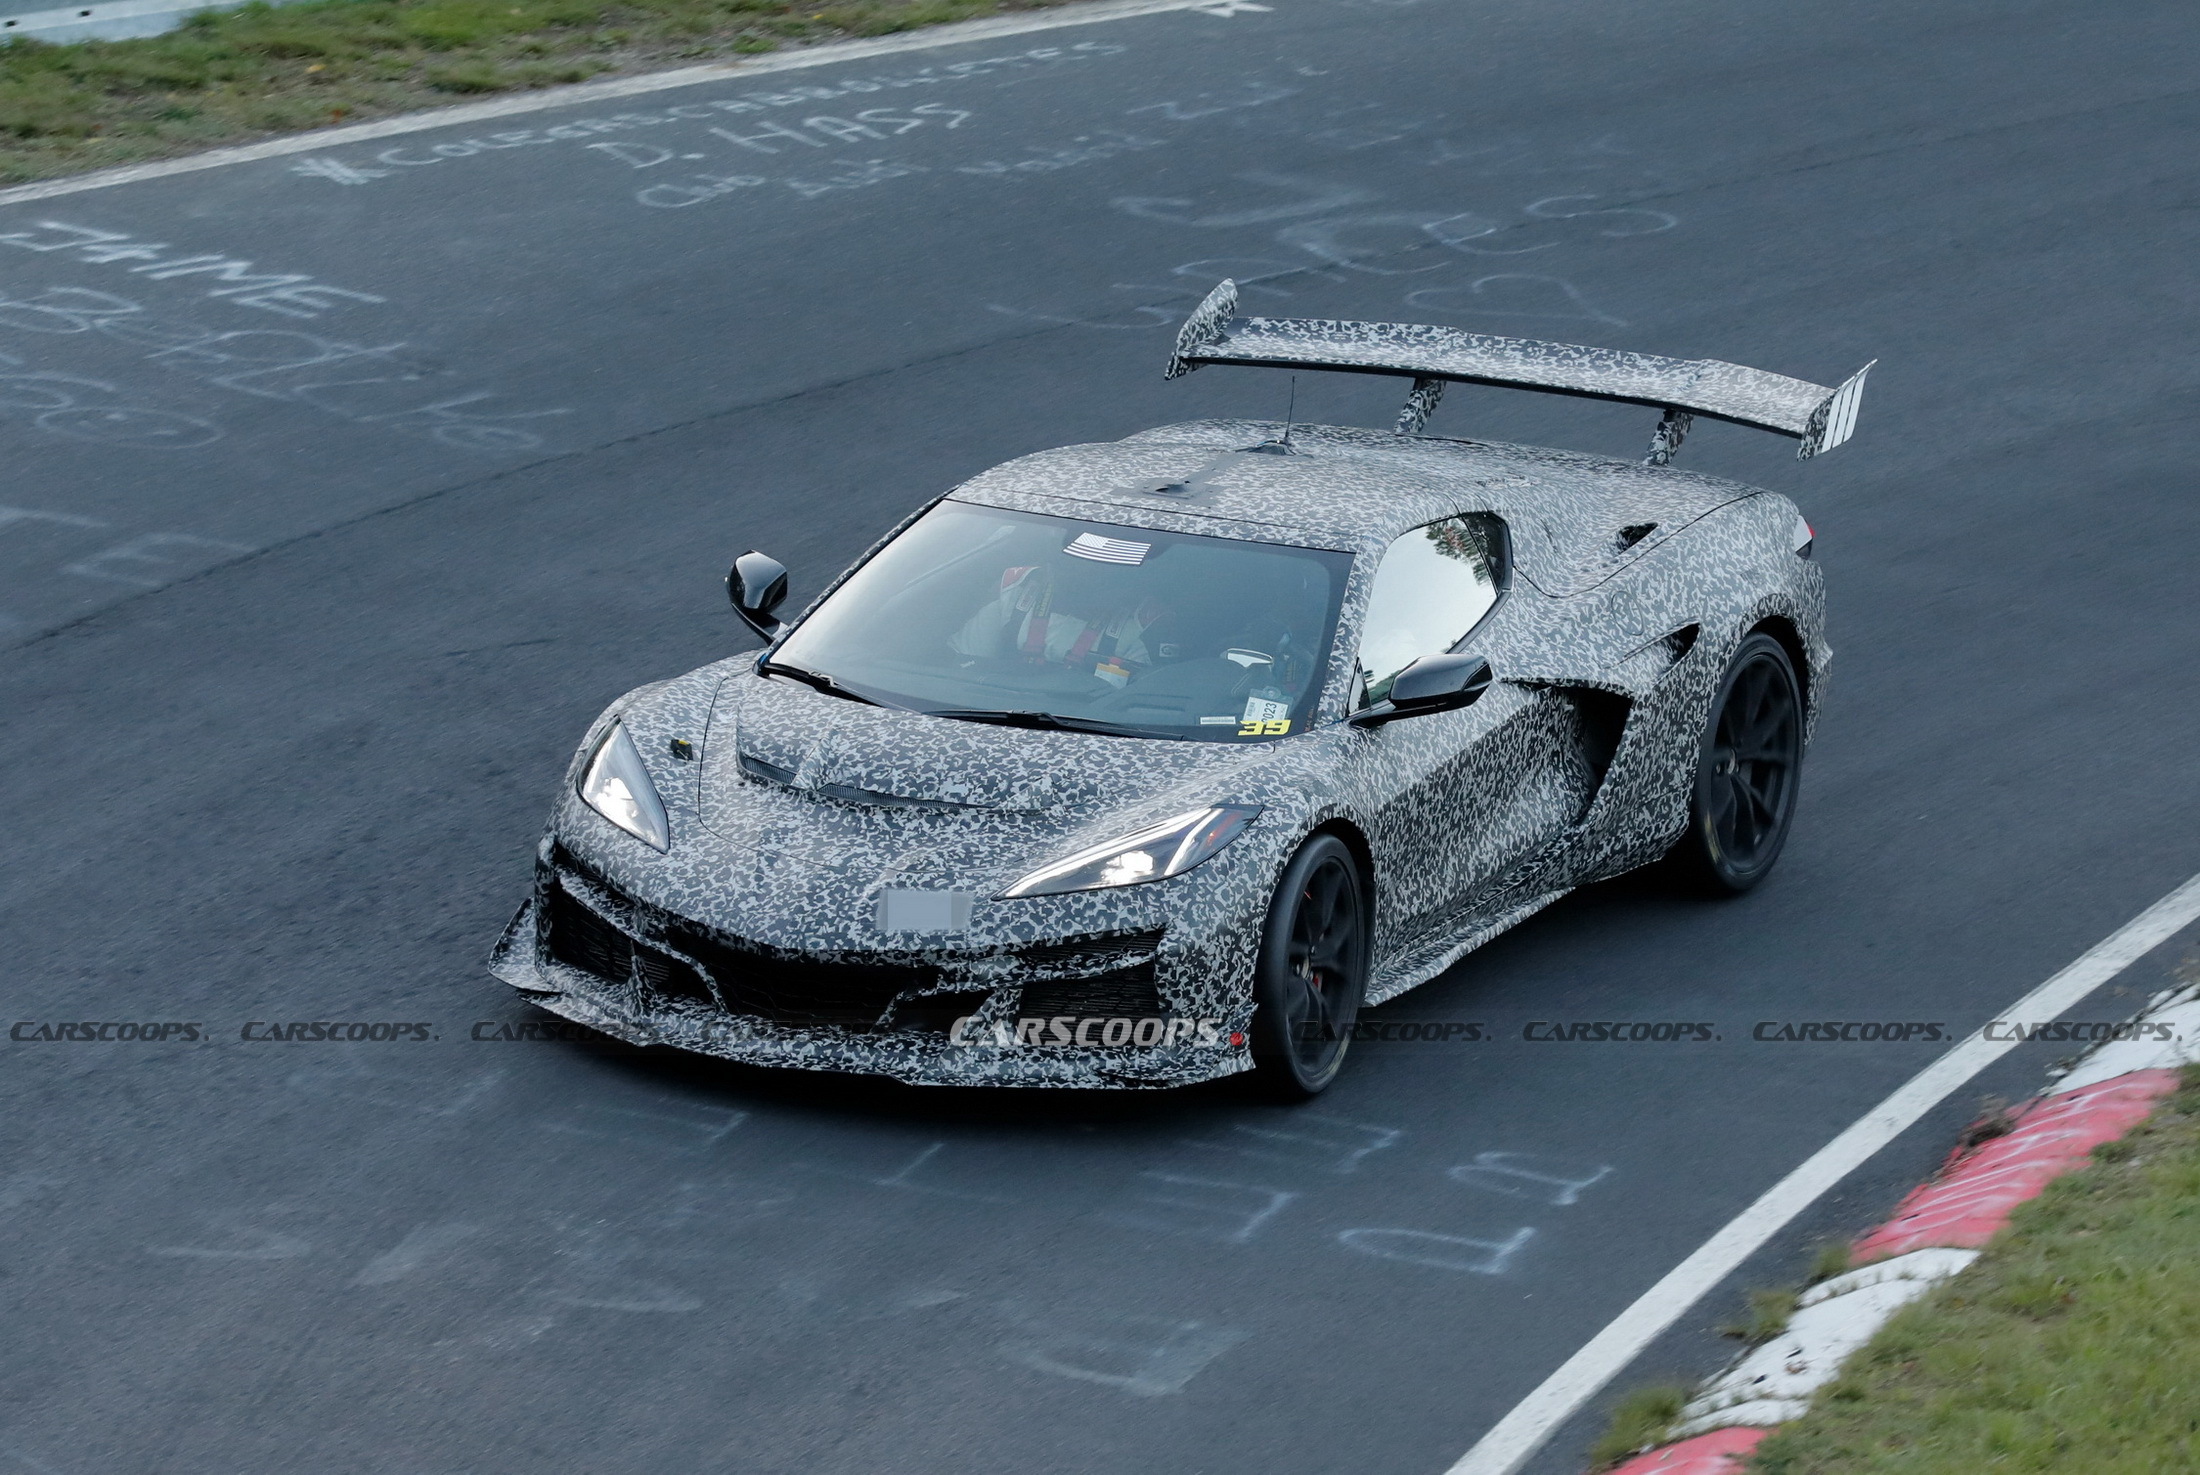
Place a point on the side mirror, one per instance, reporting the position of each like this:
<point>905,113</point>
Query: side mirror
<point>1431,684</point>
<point>757,585</point>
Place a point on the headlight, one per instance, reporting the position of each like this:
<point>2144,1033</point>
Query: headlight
<point>1168,849</point>
<point>617,787</point>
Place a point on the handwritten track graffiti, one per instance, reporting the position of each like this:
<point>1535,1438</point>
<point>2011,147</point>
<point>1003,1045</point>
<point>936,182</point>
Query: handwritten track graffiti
<point>733,1220</point>
<point>83,409</point>
<point>292,294</point>
<point>840,126</point>
<point>89,554</point>
<point>365,385</point>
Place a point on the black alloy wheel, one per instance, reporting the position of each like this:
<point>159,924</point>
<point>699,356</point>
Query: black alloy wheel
<point>1747,772</point>
<point>1312,971</point>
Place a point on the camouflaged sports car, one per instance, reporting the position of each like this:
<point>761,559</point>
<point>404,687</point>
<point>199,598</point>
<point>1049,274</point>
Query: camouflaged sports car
<point>1144,763</point>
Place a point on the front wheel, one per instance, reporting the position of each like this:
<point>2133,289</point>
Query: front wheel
<point>1312,971</point>
<point>1746,772</point>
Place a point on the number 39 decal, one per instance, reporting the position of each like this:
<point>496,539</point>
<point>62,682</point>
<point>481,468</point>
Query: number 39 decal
<point>1273,727</point>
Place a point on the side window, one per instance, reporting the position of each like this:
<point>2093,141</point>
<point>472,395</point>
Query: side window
<point>1433,586</point>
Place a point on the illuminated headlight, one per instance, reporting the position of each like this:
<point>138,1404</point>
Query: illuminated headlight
<point>1167,849</point>
<point>617,787</point>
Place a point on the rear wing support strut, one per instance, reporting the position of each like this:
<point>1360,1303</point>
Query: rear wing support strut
<point>1420,403</point>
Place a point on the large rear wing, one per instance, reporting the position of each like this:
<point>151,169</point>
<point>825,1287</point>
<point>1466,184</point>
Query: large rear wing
<point>1819,417</point>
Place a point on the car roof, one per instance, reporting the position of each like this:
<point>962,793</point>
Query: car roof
<point>1338,486</point>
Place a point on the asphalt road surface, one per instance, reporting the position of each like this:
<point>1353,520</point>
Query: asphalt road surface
<point>344,489</point>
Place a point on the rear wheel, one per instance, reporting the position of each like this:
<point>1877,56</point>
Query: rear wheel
<point>1747,771</point>
<point>1312,971</point>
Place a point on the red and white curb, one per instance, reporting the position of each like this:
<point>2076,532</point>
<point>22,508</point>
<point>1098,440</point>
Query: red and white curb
<point>1934,1233</point>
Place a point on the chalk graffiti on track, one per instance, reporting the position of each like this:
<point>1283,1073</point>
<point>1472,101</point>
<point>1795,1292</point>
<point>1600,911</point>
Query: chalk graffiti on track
<point>404,158</point>
<point>366,385</point>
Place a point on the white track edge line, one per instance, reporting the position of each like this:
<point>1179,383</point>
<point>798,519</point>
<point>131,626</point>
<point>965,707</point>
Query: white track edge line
<point>1521,1432</point>
<point>834,54</point>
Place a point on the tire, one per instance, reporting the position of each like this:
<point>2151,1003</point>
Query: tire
<point>1311,972</point>
<point>1748,768</point>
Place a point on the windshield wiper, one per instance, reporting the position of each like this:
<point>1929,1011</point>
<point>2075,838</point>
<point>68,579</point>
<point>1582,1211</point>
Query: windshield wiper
<point>1047,721</point>
<point>817,679</point>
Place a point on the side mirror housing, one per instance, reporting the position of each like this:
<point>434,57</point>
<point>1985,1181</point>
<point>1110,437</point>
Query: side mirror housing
<point>757,585</point>
<point>1431,684</point>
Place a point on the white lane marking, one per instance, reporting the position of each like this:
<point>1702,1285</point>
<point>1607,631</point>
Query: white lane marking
<point>836,54</point>
<point>1517,1436</point>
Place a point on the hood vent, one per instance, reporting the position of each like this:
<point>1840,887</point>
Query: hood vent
<point>772,773</point>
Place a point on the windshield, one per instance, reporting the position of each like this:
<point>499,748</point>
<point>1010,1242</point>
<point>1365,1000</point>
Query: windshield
<point>995,615</point>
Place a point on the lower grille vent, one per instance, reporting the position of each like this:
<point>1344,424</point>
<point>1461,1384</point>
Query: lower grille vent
<point>779,987</point>
<point>581,939</point>
<point>1115,973</point>
<point>935,1014</point>
<point>795,990</point>
<point>1127,993</point>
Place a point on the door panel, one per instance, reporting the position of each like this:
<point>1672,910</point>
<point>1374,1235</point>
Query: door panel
<point>1460,798</point>
<point>1473,794</point>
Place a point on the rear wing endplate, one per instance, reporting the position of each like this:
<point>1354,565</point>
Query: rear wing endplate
<point>1819,417</point>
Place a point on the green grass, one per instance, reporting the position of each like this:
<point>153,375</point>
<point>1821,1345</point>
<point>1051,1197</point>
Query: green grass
<point>2072,1345</point>
<point>1829,1260</point>
<point>247,74</point>
<point>1769,1310</point>
<point>1641,1418</point>
<point>1647,1415</point>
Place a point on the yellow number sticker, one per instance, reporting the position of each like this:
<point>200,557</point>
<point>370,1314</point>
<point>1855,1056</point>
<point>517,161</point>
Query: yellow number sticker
<point>1272,727</point>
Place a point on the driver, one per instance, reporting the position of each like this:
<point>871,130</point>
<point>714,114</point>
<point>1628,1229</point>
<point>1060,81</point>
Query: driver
<point>1071,614</point>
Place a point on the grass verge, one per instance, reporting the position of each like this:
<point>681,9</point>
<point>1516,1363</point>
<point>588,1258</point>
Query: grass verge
<point>2072,1344</point>
<point>1639,1420</point>
<point>1647,1416</point>
<point>242,75</point>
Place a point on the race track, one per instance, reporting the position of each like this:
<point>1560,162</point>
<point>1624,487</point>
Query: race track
<point>342,489</point>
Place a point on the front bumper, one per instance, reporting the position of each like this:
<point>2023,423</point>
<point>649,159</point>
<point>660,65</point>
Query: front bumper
<point>582,950</point>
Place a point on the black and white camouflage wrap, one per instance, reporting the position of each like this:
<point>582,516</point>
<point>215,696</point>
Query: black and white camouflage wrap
<point>1576,765</point>
<point>1432,355</point>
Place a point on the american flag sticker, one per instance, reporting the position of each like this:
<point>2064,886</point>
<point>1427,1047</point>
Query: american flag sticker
<point>1107,550</point>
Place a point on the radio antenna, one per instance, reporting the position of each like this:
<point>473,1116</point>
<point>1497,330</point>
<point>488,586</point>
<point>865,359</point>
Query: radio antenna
<point>1282,447</point>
